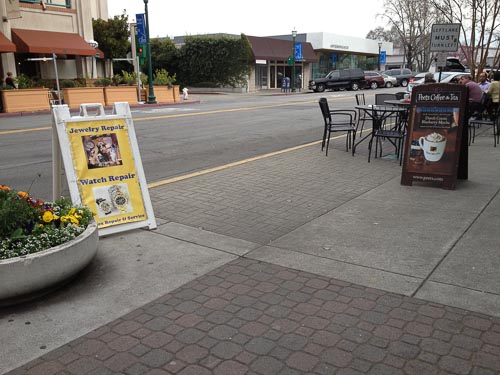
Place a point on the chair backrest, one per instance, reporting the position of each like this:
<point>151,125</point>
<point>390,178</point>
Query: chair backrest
<point>360,99</point>
<point>381,98</point>
<point>325,109</point>
<point>400,95</point>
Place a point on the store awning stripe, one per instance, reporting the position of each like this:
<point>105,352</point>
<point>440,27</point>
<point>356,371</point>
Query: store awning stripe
<point>6,45</point>
<point>36,41</point>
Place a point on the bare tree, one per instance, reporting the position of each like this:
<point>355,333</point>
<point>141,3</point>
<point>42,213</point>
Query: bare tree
<point>379,33</point>
<point>412,20</point>
<point>479,20</point>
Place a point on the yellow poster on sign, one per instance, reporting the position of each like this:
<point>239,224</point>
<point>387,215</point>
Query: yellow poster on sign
<point>105,171</point>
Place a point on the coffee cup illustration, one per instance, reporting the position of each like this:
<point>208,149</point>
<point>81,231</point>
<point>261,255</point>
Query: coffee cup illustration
<point>433,145</point>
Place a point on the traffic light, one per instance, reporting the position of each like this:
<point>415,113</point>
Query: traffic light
<point>140,50</point>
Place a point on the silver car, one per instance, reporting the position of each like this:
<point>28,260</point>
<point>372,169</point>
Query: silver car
<point>446,77</point>
<point>389,81</point>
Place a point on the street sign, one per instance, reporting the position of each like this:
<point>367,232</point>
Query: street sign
<point>444,37</point>
<point>383,56</point>
<point>141,28</point>
<point>441,60</point>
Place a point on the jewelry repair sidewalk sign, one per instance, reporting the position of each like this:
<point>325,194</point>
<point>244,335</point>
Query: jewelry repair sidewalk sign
<point>103,166</point>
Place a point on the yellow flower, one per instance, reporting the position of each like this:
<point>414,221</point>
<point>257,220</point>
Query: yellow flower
<point>48,217</point>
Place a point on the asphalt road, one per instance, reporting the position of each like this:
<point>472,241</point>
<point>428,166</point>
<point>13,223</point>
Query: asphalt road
<point>176,140</point>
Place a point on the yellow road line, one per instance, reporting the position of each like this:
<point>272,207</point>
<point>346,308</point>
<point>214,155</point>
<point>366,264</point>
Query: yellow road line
<point>24,130</point>
<point>234,164</point>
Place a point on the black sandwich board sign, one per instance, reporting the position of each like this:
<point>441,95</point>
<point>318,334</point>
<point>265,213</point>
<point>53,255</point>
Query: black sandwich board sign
<point>436,142</point>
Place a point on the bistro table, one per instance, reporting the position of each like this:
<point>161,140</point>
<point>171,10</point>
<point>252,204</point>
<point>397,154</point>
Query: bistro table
<point>378,114</point>
<point>401,103</point>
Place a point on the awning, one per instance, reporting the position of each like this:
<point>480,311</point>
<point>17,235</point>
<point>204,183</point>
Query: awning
<point>6,45</point>
<point>99,54</point>
<point>278,49</point>
<point>35,41</point>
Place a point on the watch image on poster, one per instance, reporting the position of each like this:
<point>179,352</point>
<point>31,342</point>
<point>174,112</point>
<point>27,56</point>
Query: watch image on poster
<point>112,200</point>
<point>102,150</point>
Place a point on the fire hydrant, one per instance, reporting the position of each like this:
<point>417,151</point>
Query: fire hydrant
<point>185,93</point>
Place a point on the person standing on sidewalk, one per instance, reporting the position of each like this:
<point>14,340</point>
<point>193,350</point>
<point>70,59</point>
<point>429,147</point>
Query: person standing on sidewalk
<point>475,95</point>
<point>9,81</point>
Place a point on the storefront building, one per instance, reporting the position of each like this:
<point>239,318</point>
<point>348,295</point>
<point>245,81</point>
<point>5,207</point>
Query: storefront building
<point>342,52</point>
<point>274,62</point>
<point>32,30</point>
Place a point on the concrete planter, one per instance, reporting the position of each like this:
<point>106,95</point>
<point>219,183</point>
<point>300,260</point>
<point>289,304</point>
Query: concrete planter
<point>25,100</point>
<point>75,96</point>
<point>113,94</point>
<point>24,276</point>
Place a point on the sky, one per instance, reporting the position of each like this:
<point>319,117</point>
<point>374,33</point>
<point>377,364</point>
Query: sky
<point>256,17</point>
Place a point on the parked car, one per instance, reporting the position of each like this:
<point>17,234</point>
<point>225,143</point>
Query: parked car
<point>389,81</point>
<point>402,76</point>
<point>446,77</point>
<point>374,79</point>
<point>351,79</point>
<point>454,65</point>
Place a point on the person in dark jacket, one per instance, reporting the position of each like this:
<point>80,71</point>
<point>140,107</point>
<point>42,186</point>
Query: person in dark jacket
<point>9,81</point>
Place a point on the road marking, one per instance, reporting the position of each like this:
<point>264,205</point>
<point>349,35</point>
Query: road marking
<point>234,164</point>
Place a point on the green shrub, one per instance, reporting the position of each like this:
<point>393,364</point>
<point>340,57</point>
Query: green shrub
<point>128,78</point>
<point>103,82</point>
<point>68,83</point>
<point>23,81</point>
<point>161,77</point>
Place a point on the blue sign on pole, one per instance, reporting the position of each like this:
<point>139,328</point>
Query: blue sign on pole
<point>298,51</point>
<point>141,28</point>
<point>382,57</point>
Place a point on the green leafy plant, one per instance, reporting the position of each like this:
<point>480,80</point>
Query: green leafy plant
<point>29,225</point>
<point>144,79</point>
<point>103,82</point>
<point>129,78</point>
<point>23,81</point>
<point>161,77</point>
<point>68,83</point>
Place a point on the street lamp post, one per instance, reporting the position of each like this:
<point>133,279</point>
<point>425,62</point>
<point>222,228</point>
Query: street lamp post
<point>294,35</point>
<point>151,96</point>
<point>379,47</point>
<point>94,44</point>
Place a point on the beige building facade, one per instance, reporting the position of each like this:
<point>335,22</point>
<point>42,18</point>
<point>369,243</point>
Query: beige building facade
<point>31,30</point>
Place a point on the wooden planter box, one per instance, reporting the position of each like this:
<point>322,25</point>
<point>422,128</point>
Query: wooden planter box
<point>75,96</point>
<point>25,100</point>
<point>113,94</point>
<point>165,94</point>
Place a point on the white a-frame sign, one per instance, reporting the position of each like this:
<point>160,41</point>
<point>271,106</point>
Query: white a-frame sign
<point>103,166</point>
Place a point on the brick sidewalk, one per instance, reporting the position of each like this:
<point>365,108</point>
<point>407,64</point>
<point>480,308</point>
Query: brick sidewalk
<point>250,317</point>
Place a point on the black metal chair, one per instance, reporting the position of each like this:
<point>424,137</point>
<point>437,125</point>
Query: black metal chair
<point>362,116</point>
<point>487,119</point>
<point>395,119</point>
<point>338,120</point>
<point>395,133</point>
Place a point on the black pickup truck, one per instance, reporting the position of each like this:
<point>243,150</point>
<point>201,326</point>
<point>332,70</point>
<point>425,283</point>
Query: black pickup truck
<point>350,79</point>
